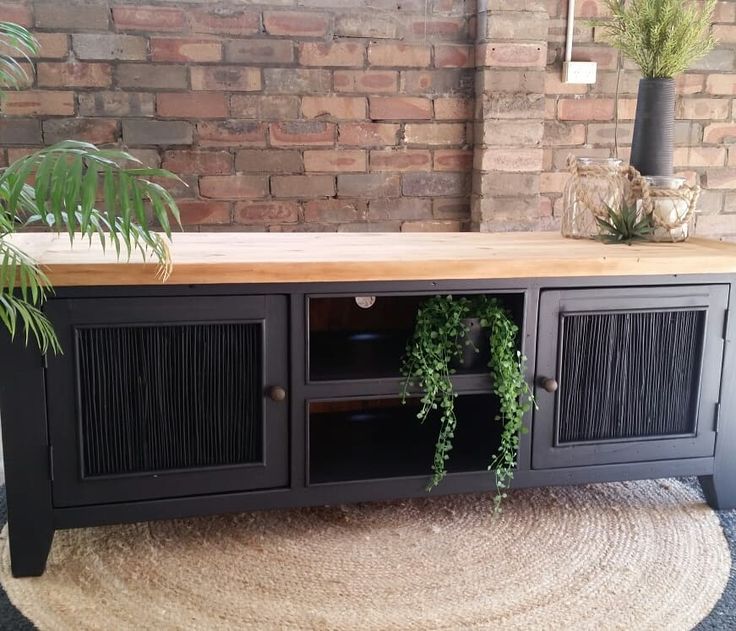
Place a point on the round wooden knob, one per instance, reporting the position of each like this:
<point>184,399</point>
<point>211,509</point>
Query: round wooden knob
<point>549,384</point>
<point>277,393</point>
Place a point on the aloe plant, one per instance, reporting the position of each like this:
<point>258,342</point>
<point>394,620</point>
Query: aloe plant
<point>60,188</point>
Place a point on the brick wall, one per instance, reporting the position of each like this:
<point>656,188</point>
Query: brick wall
<point>355,114</point>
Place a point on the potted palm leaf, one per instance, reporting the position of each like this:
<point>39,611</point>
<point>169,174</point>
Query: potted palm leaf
<point>663,38</point>
<point>58,188</point>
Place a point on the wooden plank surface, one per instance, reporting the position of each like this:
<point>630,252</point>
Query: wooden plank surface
<point>214,258</point>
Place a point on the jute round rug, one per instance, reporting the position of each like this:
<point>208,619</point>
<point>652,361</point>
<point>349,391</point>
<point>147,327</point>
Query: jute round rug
<point>637,555</point>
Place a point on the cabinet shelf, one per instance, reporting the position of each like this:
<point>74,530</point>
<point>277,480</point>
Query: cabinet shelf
<point>347,342</point>
<point>381,438</point>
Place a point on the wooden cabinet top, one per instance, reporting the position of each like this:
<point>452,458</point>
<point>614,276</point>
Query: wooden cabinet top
<point>215,258</point>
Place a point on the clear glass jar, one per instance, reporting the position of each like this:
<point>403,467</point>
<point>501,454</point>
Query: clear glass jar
<point>595,185</point>
<point>668,204</point>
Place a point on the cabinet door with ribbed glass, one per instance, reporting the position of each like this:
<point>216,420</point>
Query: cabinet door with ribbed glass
<point>167,397</point>
<point>628,375</point>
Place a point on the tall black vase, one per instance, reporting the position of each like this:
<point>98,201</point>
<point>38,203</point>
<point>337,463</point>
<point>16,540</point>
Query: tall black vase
<point>652,145</point>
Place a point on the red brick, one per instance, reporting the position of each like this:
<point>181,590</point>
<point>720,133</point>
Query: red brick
<point>401,160</point>
<point>331,211</point>
<point>374,25</point>
<point>264,107</point>
<point>435,225</point>
<point>259,51</point>
<point>454,56</point>
<point>297,133</point>
<point>453,160</point>
<point>718,133</point>
<point>453,108</point>
<point>192,105</point>
<point>16,13</point>
<point>368,185</point>
<point>74,75</point>
<point>335,161</point>
<point>434,133</point>
<point>37,103</point>
<point>699,156</point>
<point>336,107</point>
<point>50,46</point>
<point>400,108</point>
<point>266,212</point>
<point>444,28</point>
<point>693,108</point>
<point>513,160</point>
<point>227,21</point>
<point>228,78</point>
<point>268,161</point>
<point>229,133</point>
<point>149,19</point>
<point>199,162</point>
<point>233,186</point>
<point>109,46</point>
<point>303,186</point>
<point>401,55</point>
<point>368,134</point>
<point>150,75</point>
<point>94,130</point>
<point>118,103</point>
<point>185,49</point>
<point>333,54</point>
<point>690,83</point>
<point>298,80</point>
<point>70,16</point>
<point>366,81</point>
<point>721,178</point>
<point>299,23</point>
<point>508,55</point>
<point>720,84</point>
<point>436,184</point>
<point>585,109</point>
<point>403,209</point>
<point>203,212</point>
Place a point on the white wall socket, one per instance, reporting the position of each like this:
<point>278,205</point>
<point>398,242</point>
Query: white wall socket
<point>579,71</point>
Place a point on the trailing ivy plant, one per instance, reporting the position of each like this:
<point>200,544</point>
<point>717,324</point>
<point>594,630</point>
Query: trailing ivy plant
<point>59,188</point>
<point>440,334</point>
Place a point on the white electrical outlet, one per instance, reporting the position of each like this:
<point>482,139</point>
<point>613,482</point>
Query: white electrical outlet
<point>579,71</point>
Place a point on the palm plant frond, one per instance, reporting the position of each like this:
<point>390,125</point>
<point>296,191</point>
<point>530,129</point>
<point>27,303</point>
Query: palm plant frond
<point>74,188</point>
<point>67,180</point>
<point>16,45</point>
<point>662,37</point>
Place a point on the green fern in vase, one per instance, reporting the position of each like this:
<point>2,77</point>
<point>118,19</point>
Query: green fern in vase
<point>624,225</point>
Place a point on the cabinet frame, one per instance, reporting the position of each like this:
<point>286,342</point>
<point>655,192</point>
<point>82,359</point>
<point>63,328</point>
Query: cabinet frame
<point>33,517</point>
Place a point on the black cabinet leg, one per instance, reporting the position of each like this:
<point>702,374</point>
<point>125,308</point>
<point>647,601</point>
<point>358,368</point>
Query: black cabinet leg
<point>27,463</point>
<point>720,492</point>
<point>29,549</point>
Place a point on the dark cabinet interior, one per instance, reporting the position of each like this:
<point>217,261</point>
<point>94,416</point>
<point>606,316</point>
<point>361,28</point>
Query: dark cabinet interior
<point>382,438</point>
<point>350,342</point>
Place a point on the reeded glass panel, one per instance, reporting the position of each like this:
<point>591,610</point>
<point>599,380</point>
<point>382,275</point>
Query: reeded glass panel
<point>156,398</point>
<point>627,375</point>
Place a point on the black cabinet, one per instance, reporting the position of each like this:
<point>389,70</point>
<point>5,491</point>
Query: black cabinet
<point>165,397</point>
<point>627,375</point>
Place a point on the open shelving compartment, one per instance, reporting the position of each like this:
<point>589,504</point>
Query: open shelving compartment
<point>364,439</point>
<point>349,342</point>
<point>362,431</point>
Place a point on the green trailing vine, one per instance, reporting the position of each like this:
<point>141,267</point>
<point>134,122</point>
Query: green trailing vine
<point>440,334</point>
